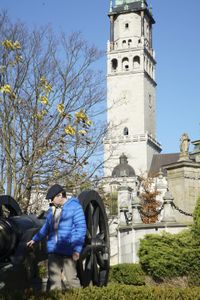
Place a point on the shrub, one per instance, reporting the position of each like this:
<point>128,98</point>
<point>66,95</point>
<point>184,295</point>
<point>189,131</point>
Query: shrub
<point>173,255</point>
<point>169,255</point>
<point>112,292</point>
<point>194,278</point>
<point>196,226</point>
<point>130,274</point>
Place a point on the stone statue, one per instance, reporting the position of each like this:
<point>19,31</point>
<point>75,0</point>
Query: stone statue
<point>184,143</point>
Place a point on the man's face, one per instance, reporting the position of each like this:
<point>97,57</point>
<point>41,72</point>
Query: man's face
<point>58,199</point>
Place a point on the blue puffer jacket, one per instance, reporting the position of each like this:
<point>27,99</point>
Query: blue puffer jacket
<point>70,235</point>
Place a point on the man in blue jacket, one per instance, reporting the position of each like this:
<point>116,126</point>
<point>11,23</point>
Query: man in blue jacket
<point>65,229</point>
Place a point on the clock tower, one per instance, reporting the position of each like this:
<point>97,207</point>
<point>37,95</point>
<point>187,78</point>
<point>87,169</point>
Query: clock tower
<point>131,87</point>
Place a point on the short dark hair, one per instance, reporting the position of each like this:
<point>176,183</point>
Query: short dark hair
<point>64,194</point>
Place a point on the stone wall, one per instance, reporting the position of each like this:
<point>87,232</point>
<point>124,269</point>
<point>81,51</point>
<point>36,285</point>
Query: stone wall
<point>184,184</point>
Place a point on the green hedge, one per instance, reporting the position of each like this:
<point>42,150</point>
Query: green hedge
<point>173,255</point>
<point>113,292</point>
<point>196,226</point>
<point>168,255</point>
<point>130,274</point>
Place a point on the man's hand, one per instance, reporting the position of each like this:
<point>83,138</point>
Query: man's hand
<point>30,243</point>
<point>75,256</point>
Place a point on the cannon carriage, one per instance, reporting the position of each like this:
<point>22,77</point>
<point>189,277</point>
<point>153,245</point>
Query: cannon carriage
<point>19,264</point>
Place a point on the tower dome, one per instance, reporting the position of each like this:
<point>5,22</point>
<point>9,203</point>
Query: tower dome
<point>123,169</point>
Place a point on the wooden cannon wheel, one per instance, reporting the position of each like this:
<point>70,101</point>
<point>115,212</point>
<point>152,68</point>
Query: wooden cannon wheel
<point>94,262</point>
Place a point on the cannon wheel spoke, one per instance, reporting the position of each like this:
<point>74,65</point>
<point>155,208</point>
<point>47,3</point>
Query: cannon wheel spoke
<point>95,276</point>
<point>93,265</point>
<point>100,260</point>
<point>88,215</point>
<point>96,221</point>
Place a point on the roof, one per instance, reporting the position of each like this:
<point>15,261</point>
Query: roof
<point>123,169</point>
<point>160,160</point>
<point>131,7</point>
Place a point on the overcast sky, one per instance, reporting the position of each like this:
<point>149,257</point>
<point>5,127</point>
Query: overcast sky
<point>176,40</point>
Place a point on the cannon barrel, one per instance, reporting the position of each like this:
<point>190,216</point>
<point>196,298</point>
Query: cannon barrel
<point>8,238</point>
<point>14,233</point>
<point>16,229</point>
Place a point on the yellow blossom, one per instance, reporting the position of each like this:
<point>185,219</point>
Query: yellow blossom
<point>12,63</point>
<point>8,44</point>
<point>44,100</point>
<point>80,116</point>
<point>42,80</point>
<point>82,132</point>
<point>60,108</point>
<point>41,151</point>
<point>47,88</point>
<point>41,114</point>
<point>12,96</point>
<point>89,122</point>
<point>70,130</point>
<point>6,88</point>
<point>17,45</point>
<point>18,58</point>
<point>45,85</point>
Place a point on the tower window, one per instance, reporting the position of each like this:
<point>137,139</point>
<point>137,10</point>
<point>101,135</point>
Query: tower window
<point>136,62</point>
<point>125,131</point>
<point>150,101</point>
<point>125,64</point>
<point>129,43</point>
<point>126,25</point>
<point>114,64</point>
<point>124,43</point>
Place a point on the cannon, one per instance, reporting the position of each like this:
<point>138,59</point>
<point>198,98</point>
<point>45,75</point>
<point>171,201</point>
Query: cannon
<point>19,264</point>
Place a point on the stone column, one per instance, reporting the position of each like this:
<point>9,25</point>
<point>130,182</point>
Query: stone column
<point>136,218</point>
<point>168,213</point>
<point>124,203</point>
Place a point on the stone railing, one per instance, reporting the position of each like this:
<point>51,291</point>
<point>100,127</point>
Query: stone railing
<point>165,211</point>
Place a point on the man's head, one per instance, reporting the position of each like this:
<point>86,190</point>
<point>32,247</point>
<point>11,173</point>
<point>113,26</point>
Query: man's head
<point>56,194</point>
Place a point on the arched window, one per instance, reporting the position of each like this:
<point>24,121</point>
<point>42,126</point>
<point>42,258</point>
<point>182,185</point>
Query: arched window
<point>114,64</point>
<point>124,44</point>
<point>130,43</point>
<point>125,130</point>
<point>136,62</point>
<point>150,101</point>
<point>147,65</point>
<point>126,25</point>
<point>125,64</point>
